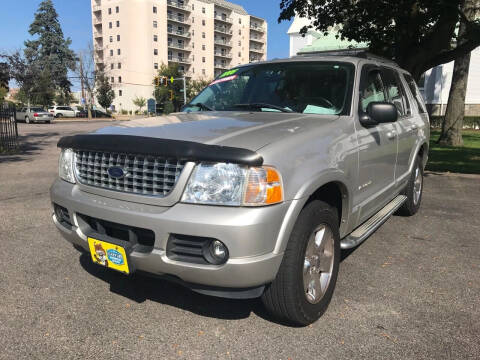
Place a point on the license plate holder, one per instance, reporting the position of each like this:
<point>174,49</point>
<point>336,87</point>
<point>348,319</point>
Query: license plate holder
<point>110,255</point>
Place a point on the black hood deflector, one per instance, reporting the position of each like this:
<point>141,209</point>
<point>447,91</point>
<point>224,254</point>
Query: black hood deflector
<point>176,149</point>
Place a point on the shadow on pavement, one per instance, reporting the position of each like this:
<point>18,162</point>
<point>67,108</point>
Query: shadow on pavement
<point>29,145</point>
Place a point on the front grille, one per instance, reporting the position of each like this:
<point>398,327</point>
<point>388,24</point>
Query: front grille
<point>145,175</point>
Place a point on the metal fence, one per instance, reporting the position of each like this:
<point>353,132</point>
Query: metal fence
<point>8,128</point>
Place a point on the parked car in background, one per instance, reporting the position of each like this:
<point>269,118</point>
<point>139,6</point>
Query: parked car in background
<point>62,111</point>
<point>33,114</point>
<point>95,114</point>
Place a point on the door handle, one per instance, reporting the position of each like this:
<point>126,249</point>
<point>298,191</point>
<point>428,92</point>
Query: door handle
<point>391,134</point>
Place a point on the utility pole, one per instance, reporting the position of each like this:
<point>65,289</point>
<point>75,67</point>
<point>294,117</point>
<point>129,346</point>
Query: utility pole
<point>81,80</point>
<point>184,90</point>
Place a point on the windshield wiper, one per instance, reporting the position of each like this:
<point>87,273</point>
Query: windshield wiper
<point>202,106</point>
<point>263,105</point>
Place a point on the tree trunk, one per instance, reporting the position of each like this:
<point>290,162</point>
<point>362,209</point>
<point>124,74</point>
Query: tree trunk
<point>453,121</point>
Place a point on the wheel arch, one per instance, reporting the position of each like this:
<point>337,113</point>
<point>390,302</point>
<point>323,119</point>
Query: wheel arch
<point>333,190</point>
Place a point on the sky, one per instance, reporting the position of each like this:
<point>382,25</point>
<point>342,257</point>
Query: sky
<point>75,18</point>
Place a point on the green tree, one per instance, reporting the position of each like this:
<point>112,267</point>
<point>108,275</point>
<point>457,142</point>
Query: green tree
<point>105,93</point>
<point>49,50</point>
<point>170,93</point>
<point>3,93</point>
<point>417,34</point>
<point>63,98</point>
<point>140,102</point>
<point>4,75</point>
<point>195,86</point>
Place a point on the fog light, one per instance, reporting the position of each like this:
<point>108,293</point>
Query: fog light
<point>217,253</point>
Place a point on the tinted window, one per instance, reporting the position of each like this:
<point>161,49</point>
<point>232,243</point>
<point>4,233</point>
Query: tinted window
<point>372,89</point>
<point>415,92</point>
<point>395,92</point>
<point>36,109</point>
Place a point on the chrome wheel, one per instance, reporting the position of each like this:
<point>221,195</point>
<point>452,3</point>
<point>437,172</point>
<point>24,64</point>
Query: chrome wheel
<point>318,263</point>
<point>417,186</point>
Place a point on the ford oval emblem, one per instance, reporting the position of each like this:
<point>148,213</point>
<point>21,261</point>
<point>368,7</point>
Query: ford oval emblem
<point>116,172</point>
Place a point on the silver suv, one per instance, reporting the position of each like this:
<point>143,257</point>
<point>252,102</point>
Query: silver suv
<point>256,186</point>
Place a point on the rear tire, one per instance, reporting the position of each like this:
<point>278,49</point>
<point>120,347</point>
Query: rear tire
<point>414,190</point>
<point>58,115</point>
<point>304,284</point>
<point>27,120</point>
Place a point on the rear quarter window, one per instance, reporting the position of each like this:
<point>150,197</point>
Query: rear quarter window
<point>415,92</point>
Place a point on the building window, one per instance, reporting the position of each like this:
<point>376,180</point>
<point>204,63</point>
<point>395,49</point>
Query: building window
<point>203,71</point>
<point>203,22</point>
<point>154,9</point>
<point>239,43</point>
<point>193,20</point>
<point>119,65</point>
<point>239,32</point>
<point>193,57</point>
<point>110,25</point>
<point>112,66</point>
<point>155,38</point>
<point>111,38</point>
<point>193,45</point>
<point>193,7</point>
<point>155,51</point>
<point>111,52</point>
<point>203,59</point>
<point>112,79</point>
<point>239,54</point>
<point>155,25</point>
<point>239,20</point>
<point>203,47</point>
<point>109,11</point>
<point>155,66</point>
<point>193,32</point>
<point>203,10</point>
<point>203,35</point>
<point>120,92</point>
<point>118,23</point>
<point>118,52</point>
<point>117,9</point>
<point>118,37</point>
<point>119,79</point>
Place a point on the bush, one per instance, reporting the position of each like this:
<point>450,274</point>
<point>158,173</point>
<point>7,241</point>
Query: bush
<point>469,122</point>
<point>124,112</point>
<point>168,107</point>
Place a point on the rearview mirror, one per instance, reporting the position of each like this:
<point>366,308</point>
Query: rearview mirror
<point>378,113</point>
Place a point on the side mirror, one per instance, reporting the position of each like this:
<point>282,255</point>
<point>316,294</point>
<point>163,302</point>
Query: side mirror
<point>379,112</point>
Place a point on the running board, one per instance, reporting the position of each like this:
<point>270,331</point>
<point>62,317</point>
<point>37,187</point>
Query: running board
<point>361,233</point>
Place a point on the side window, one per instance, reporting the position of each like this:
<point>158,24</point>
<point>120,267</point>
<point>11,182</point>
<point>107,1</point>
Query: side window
<point>395,93</point>
<point>372,89</point>
<point>415,92</point>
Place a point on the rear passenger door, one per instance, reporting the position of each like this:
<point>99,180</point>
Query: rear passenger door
<point>404,126</point>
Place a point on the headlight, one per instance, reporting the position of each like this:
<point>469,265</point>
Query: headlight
<point>65,165</point>
<point>233,185</point>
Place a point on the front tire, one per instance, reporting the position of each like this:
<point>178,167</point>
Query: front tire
<point>303,287</point>
<point>414,190</point>
<point>27,119</point>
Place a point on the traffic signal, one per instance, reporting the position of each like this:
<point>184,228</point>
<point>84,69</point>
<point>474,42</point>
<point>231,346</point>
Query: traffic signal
<point>165,81</point>
<point>157,81</point>
<point>171,95</point>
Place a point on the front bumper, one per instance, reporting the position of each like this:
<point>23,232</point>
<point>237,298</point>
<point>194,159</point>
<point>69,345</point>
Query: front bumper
<point>249,233</point>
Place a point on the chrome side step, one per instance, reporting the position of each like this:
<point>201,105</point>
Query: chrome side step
<point>361,233</point>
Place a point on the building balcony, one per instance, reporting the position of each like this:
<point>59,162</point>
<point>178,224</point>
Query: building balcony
<point>222,55</point>
<point>257,28</point>
<point>223,42</point>
<point>96,8</point>
<point>97,20</point>
<point>257,39</point>
<point>224,19</point>
<point>180,60</point>
<point>178,5</point>
<point>255,59</point>
<point>97,34</point>
<point>220,66</point>
<point>223,30</point>
<point>184,34</point>
<point>179,19</point>
<point>256,50</point>
<point>175,45</point>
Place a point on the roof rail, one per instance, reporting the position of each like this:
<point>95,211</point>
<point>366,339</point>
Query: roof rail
<point>360,53</point>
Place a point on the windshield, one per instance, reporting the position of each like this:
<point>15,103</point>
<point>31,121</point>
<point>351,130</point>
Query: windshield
<point>37,109</point>
<point>302,87</point>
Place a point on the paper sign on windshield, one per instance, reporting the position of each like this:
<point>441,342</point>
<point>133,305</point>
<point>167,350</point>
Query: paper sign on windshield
<point>228,78</point>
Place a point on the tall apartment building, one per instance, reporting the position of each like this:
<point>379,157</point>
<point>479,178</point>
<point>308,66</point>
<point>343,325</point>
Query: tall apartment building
<point>132,38</point>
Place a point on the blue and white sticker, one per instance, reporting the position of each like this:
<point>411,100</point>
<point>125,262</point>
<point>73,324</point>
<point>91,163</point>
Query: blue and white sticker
<point>115,257</point>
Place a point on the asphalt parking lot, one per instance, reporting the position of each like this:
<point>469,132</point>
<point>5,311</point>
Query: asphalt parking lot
<point>411,291</point>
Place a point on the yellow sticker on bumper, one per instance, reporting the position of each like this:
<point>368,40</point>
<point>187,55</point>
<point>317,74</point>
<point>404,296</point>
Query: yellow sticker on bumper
<point>109,255</point>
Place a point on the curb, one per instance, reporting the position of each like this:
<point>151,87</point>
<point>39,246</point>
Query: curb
<point>450,174</point>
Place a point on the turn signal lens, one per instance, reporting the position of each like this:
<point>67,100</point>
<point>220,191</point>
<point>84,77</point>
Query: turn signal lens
<point>264,187</point>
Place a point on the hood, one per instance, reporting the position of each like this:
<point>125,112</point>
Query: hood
<point>248,130</point>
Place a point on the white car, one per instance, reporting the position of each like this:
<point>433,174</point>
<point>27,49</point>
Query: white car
<point>62,111</point>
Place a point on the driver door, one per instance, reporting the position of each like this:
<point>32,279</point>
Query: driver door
<point>377,150</point>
